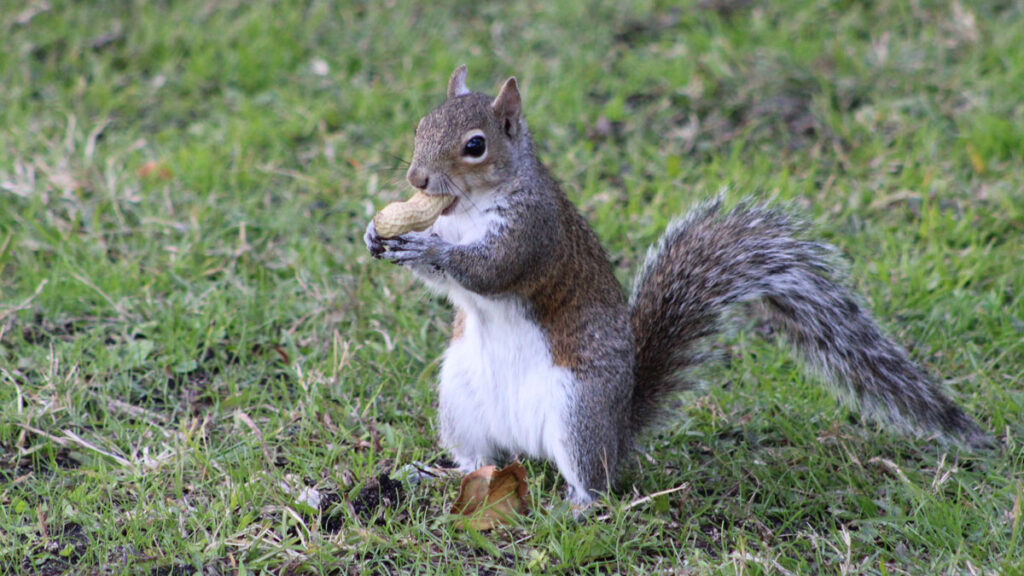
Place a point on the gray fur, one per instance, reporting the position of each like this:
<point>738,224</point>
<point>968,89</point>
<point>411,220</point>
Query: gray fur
<point>711,260</point>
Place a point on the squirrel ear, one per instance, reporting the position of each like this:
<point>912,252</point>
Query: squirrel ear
<point>457,83</point>
<point>508,105</point>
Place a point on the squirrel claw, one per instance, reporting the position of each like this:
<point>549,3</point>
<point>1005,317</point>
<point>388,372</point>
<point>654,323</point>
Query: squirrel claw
<point>410,249</point>
<point>374,243</point>
<point>402,250</point>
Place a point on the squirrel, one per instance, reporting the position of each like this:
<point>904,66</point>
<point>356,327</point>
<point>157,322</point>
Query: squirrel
<point>550,360</point>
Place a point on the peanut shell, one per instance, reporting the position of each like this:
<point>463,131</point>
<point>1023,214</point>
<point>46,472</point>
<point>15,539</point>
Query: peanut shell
<point>415,214</point>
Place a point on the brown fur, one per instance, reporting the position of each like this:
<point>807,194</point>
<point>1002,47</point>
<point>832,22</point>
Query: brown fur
<point>458,324</point>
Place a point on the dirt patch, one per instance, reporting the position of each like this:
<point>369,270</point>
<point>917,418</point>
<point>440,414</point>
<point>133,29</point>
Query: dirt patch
<point>724,8</point>
<point>369,504</point>
<point>195,381</point>
<point>43,462</point>
<point>641,30</point>
<point>42,330</point>
<point>331,512</point>
<point>64,549</point>
<point>377,496</point>
<point>770,99</point>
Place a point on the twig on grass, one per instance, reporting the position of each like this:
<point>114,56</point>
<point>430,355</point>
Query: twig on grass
<point>768,563</point>
<point>41,516</point>
<point>71,437</point>
<point>82,442</point>
<point>115,405</point>
<point>648,498</point>
<point>259,435</point>
<point>892,467</point>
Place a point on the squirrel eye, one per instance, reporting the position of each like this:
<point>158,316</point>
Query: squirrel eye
<point>475,147</point>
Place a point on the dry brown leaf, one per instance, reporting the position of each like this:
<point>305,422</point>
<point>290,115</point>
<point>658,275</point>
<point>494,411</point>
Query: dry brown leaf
<point>154,171</point>
<point>490,497</point>
<point>473,490</point>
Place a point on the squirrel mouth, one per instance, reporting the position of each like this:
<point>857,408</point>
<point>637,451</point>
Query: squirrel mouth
<point>450,207</point>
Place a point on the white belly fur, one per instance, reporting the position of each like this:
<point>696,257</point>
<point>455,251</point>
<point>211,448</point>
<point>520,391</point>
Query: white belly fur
<point>500,391</point>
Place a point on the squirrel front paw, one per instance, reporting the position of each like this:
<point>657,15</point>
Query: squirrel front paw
<point>413,249</point>
<point>407,249</point>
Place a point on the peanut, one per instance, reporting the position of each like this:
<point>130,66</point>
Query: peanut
<point>417,213</point>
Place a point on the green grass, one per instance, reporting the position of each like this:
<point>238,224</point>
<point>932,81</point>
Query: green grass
<point>179,346</point>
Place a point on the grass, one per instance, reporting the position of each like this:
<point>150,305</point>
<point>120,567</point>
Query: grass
<point>191,331</point>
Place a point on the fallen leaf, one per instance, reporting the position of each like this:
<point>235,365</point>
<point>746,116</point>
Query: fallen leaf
<point>154,170</point>
<point>473,490</point>
<point>490,497</point>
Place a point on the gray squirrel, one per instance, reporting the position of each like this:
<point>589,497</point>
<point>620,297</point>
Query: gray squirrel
<point>547,357</point>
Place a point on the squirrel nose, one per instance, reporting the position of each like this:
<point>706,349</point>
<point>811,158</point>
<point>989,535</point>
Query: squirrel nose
<point>418,178</point>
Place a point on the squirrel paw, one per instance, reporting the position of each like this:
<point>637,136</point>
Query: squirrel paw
<point>411,249</point>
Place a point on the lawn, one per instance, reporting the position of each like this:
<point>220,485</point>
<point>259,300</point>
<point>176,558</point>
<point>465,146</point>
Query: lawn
<point>203,371</point>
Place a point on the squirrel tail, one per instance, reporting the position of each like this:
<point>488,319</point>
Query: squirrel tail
<point>710,260</point>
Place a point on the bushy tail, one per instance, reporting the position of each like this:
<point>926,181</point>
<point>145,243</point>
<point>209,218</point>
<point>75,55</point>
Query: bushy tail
<point>711,260</point>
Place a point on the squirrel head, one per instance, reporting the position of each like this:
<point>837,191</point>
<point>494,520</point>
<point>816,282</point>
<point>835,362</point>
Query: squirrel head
<point>470,143</point>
